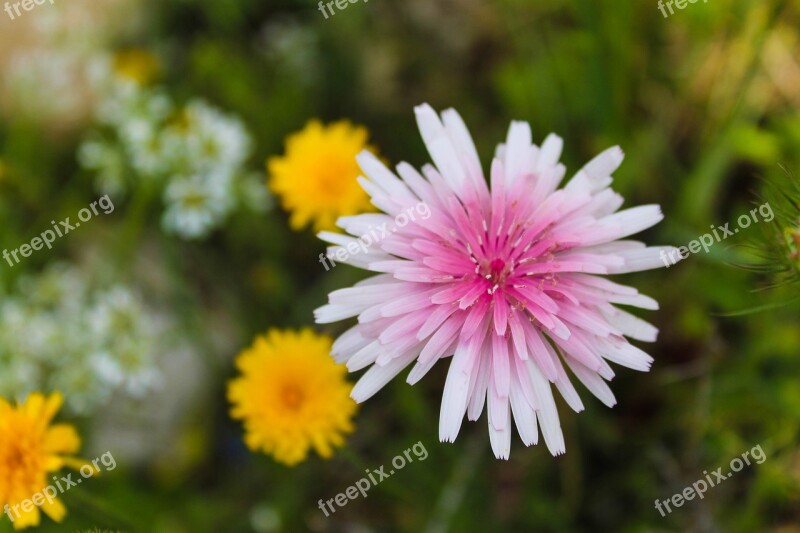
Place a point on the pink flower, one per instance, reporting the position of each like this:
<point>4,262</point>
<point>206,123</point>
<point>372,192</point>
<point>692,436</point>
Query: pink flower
<point>505,280</point>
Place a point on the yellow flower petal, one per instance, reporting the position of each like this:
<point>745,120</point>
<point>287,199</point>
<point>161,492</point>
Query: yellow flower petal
<point>62,438</point>
<point>33,404</point>
<point>78,464</point>
<point>52,406</point>
<point>54,509</point>
<point>27,519</point>
<point>53,463</point>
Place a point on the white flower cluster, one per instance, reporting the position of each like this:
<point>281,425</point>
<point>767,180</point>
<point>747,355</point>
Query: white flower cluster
<point>58,332</point>
<point>194,155</point>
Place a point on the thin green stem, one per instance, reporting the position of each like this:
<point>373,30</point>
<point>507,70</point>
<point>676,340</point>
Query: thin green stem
<point>452,495</point>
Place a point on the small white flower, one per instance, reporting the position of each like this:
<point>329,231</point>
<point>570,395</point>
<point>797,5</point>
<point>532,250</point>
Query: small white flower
<point>195,205</point>
<point>214,141</point>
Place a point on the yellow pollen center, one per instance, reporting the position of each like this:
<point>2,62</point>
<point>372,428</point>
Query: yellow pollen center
<point>331,179</point>
<point>292,397</point>
<point>194,200</point>
<point>21,463</point>
<point>15,459</point>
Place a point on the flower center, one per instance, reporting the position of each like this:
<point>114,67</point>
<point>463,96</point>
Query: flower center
<point>496,273</point>
<point>21,464</point>
<point>497,269</point>
<point>292,397</point>
<point>330,181</point>
<point>194,199</point>
<point>15,459</point>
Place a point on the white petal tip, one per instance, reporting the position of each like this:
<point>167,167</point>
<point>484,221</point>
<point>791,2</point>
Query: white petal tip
<point>423,109</point>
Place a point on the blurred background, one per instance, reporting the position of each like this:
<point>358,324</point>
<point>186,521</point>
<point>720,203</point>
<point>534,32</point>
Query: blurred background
<point>137,316</point>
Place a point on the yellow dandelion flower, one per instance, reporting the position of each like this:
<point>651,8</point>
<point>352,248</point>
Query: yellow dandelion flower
<point>316,178</point>
<point>30,449</point>
<point>292,396</point>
